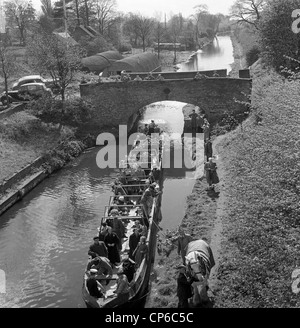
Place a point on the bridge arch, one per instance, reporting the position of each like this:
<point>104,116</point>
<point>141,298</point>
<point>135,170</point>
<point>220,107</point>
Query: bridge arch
<point>116,102</point>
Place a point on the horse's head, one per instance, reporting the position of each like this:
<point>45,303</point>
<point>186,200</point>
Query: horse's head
<point>196,266</point>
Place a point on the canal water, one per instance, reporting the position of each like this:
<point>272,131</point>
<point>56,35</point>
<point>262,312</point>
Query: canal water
<point>44,238</point>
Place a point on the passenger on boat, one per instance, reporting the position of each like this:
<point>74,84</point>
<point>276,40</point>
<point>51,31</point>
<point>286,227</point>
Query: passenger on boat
<point>147,198</point>
<point>146,129</point>
<point>102,231</point>
<point>93,286</point>
<point>102,265</point>
<point>119,229</point>
<point>128,267</point>
<point>122,291</point>
<point>152,127</point>
<point>134,239</point>
<point>142,229</point>
<point>112,241</point>
<point>122,204</point>
<point>140,252</point>
<point>98,248</point>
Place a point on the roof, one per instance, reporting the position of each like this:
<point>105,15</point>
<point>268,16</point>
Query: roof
<point>30,77</point>
<point>34,83</point>
<point>97,63</point>
<point>142,62</point>
<point>66,37</point>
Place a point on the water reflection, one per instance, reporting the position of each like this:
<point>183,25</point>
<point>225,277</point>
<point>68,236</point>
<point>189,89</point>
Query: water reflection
<point>218,55</point>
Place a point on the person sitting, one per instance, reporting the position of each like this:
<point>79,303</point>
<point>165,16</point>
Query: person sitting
<point>128,267</point>
<point>93,286</point>
<point>102,265</point>
<point>98,248</point>
<point>122,285</point>
<point>137,78</point>
<point>152,127</point>
<point>146,129</point>
<point>147,198</point>
<point>122,204</point>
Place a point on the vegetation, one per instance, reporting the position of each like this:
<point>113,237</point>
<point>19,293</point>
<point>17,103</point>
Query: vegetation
<point>262,174</point>
<point>276,20</point>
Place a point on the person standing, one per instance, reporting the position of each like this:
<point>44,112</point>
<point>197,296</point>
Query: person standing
<point>133,242</point>
<point>183,241</point>
<point>112,241</point>
<point>140,252</point>
<point>194,123</point>
<point>98,248</point>
<point>184,289</point>
<point>208,151</point>
<point>211,173</point>
<point>206,129</point>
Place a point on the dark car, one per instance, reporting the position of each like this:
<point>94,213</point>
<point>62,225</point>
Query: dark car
<point>26,92</point>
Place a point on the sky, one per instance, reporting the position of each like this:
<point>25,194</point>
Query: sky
<point>153,7</point>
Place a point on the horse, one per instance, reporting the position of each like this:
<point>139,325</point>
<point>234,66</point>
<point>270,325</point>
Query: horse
<point>199,262</point>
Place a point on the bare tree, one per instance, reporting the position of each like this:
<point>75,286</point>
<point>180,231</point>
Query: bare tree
<point>105,14</point>
<point>7,66</point>
<point>158,33</point>
<point>175,28</point>
<point>19,13</point>
<point>248,11</point>
<point>145,27</point>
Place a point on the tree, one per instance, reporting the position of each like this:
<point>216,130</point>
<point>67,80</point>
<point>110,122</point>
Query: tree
<point>277,39</point>
<point>130,28</point>
<point>248,11</point>
<point>145,27</point>
<point>55,57</point>
<point>158,33</point>
<point>7,65</point>
<point>175,28</point>
<point>105,15</point>
<point>20,14</point>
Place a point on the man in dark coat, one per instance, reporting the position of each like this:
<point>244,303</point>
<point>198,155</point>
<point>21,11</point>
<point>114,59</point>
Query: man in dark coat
<point>112,241</point>
<point>134,239</point>
<point>98,248</point>
<point>208,149</point>
<point>194,123</point>
<point>184,290</point>
<point>92,284</point>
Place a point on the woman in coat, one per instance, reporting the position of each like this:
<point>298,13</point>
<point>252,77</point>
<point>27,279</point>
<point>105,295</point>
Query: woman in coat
<point>140,252</point>
<point>211,173</point>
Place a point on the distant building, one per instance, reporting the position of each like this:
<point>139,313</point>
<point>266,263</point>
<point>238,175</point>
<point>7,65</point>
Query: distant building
<point>142,62</point>
<point>85,31</point>
<point>97,63</point>
<point>168,46</point>
<point>66,37</point>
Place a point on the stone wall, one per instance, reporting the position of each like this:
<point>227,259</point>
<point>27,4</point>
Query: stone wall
<point>116,102</point>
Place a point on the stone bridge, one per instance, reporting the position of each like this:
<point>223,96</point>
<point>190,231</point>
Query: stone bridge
<point>119,102</point>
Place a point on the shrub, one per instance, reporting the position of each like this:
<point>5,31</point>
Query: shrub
<point>252,55</point>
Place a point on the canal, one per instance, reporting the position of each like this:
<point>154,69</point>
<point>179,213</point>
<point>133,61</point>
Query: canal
<point>44,238</point>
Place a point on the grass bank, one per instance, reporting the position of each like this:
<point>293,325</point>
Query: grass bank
<point>261,242</point>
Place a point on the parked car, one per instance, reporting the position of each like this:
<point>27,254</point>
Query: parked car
<point>49,83</point>
<point>26,92</point>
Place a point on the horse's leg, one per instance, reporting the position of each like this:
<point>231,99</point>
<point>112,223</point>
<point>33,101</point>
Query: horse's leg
<point>196,296</point>
<point>203,291</point>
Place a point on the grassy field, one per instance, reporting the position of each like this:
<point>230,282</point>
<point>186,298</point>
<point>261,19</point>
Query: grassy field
<point>23,138</point>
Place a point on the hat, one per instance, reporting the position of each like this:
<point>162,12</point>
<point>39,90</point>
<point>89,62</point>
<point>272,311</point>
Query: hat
<point>114,211</point>
<point>96,237</point>
<point>93,271</point>
<point>181,266</point>
<point>121,198</point>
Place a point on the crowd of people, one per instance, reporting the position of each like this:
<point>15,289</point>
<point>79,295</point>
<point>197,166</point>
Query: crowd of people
<point>107,252</point>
